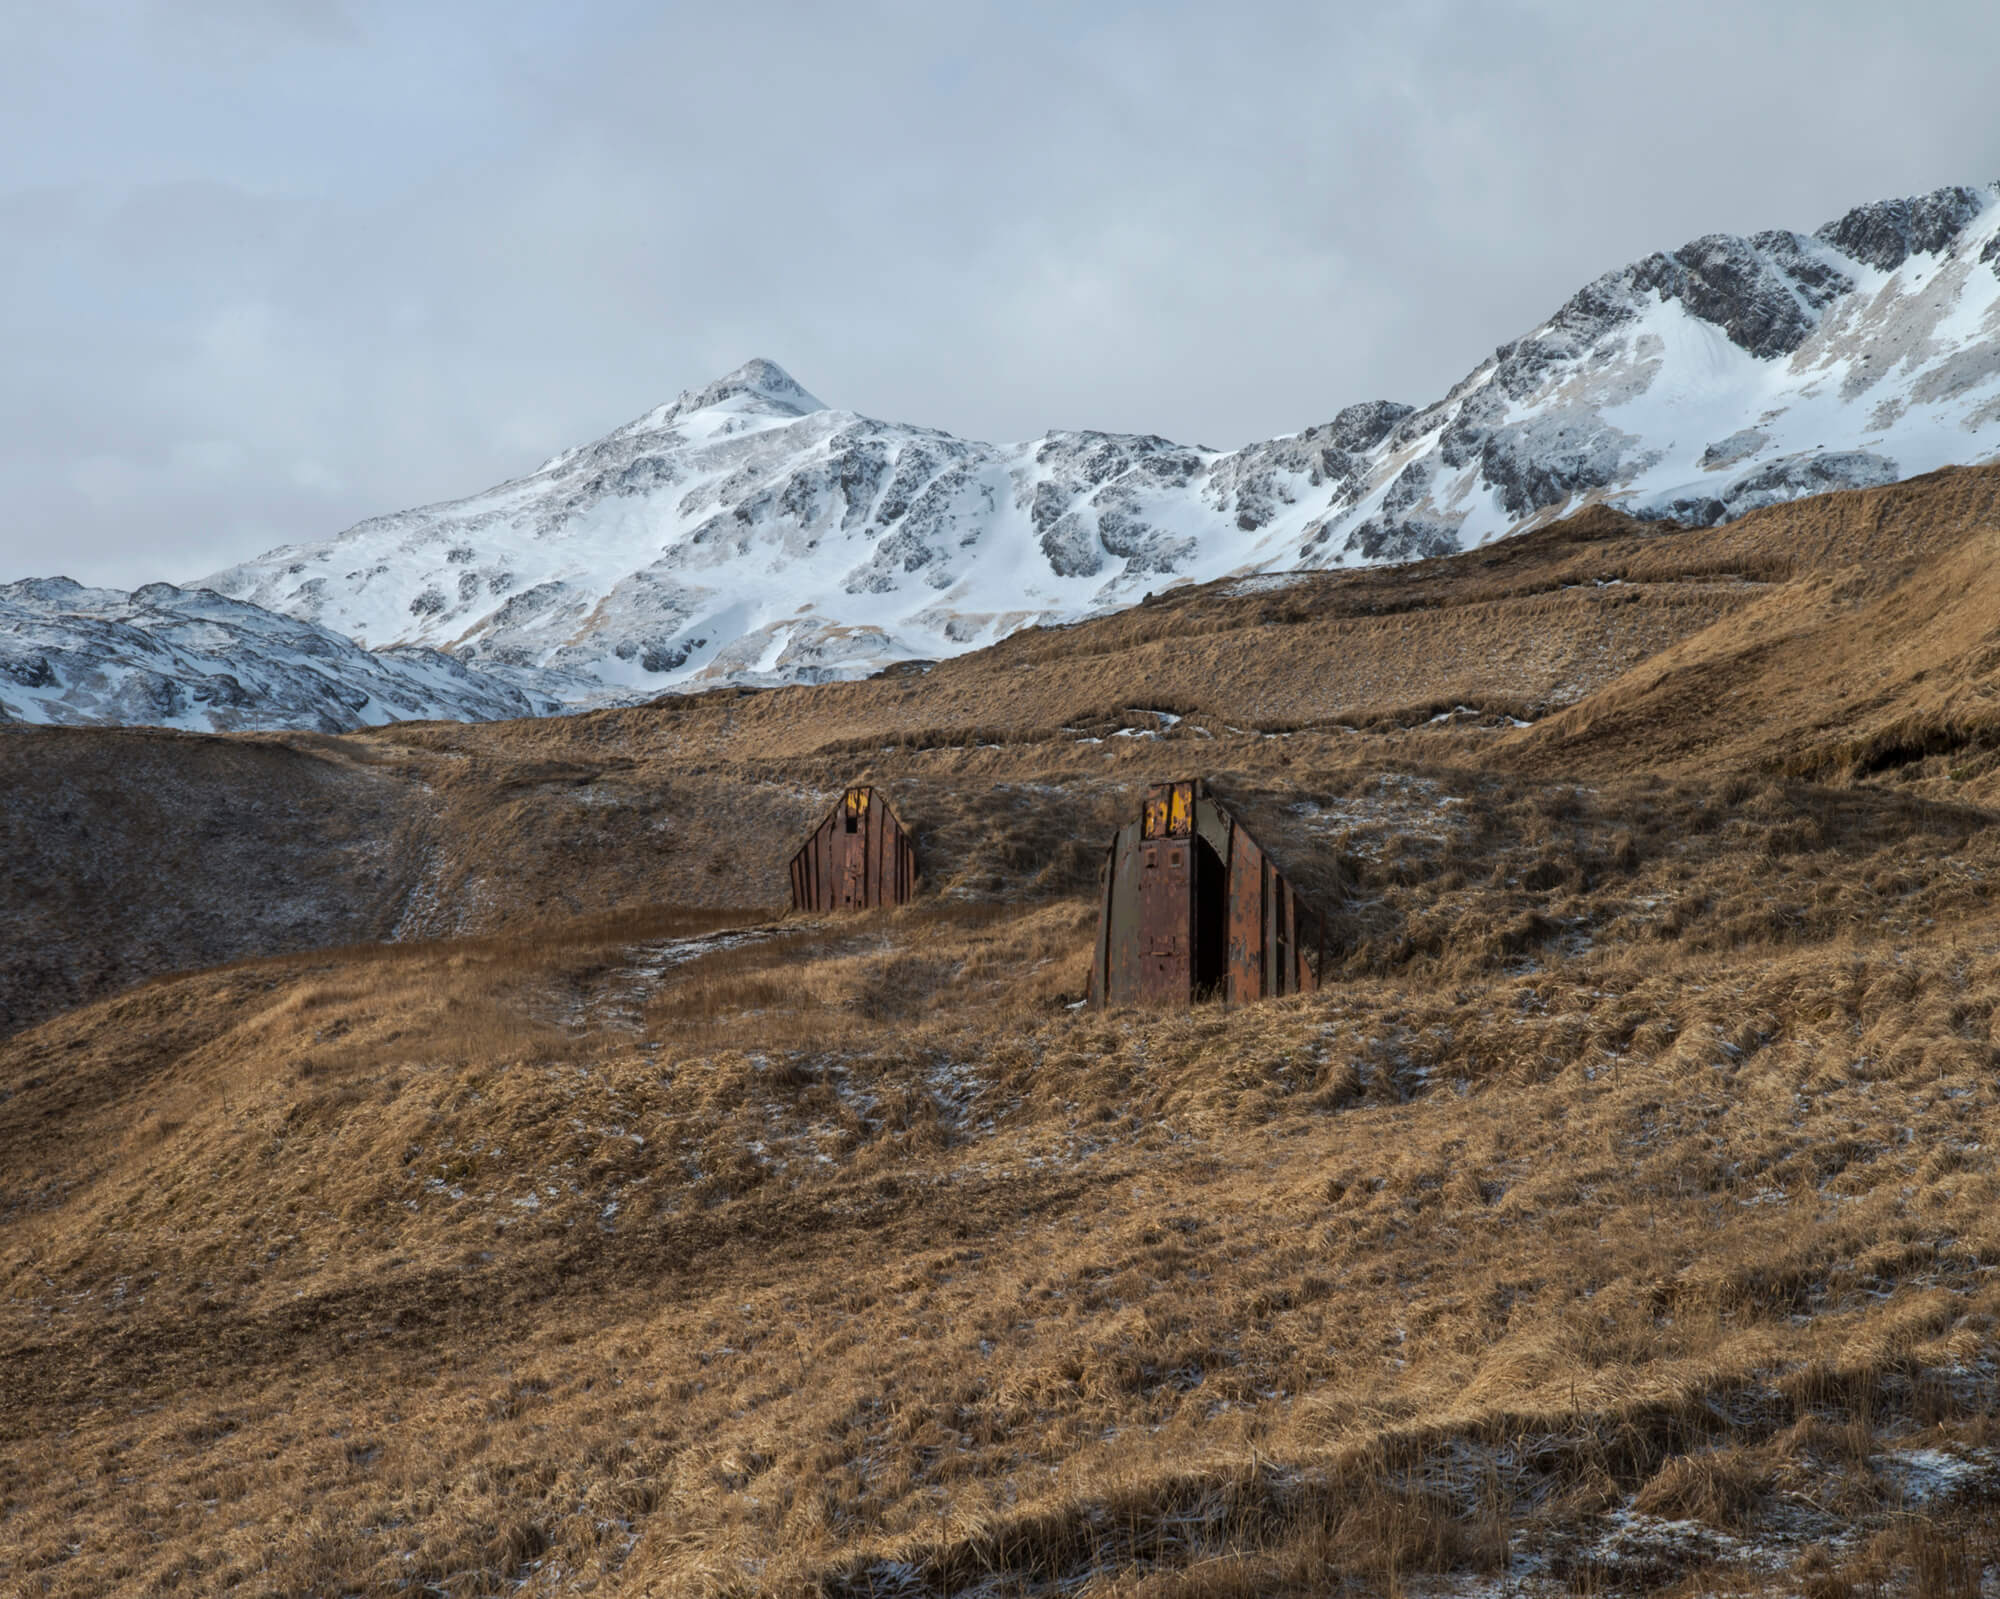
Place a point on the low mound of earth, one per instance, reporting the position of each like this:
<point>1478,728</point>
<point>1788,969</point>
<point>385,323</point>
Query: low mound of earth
<point>1621,1215</point>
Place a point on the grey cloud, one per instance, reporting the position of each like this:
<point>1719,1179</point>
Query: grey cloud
<point>325,261</point>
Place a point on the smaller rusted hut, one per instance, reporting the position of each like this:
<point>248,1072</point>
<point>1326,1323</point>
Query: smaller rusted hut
<point>859,856</point>
<point>1192,907</point>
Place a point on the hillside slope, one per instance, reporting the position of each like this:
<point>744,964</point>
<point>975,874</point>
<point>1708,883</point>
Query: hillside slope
<point>1619,1218</point>
<point>1886,658</point>
<point>169,657</point>
<point>694,1254</point>
<point>1844,634</point>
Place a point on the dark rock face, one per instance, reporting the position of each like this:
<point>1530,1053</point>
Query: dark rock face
<point>1789,478</point>
<point>669,657</point>
<point>1738,446</point>
<point>1362,427</point>
<point>1816,473</point>
<point>1743,290</point>
<point>223,689</point>
<point>1547,459</point>
<point>1690,510</point>
<point>30,671</point>
<point>1254,482</point>
<point>1764,293</point>
<point>1889,232</point>
<point>1414,538</point>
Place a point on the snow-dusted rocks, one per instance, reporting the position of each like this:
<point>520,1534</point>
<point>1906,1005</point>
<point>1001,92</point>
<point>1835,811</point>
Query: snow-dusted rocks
<point>747,532</point>
<point>188,658</point>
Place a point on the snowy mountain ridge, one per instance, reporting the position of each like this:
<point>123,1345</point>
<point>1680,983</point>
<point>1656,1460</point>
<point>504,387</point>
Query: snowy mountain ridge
<point>746,532</point>
<point>170,657</point>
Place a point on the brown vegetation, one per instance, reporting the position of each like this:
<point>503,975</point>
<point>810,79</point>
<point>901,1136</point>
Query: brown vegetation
<point>1622,1216</point>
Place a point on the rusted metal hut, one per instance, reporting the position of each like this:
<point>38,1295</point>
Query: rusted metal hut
<point>859,857</point>
<point>1194,908</point>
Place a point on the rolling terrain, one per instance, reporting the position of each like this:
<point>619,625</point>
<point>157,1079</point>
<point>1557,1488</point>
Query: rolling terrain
<point>1621,1217</point>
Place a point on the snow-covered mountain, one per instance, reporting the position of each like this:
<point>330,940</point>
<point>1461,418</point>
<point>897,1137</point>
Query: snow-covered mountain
<point>174,657</point>
<point>749,532</point>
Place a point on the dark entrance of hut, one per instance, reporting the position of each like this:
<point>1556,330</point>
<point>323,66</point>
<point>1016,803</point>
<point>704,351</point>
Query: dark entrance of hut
<point>1193,909</point>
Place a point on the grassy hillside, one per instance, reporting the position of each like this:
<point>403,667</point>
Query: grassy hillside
<point>1621,1218</point>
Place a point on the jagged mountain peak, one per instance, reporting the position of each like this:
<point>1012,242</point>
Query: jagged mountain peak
<point>1886,233</point>
<point>745,532</point>
<point>758,388</point>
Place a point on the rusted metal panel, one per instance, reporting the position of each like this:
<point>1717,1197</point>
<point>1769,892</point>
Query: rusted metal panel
<point>1213,823</point>
<point>1122,961</point>
<point>881,863</point>
<point>1288,940</point>
<point>1166,914</point>
<point>851,842</point>
<point>1246,919</point>
<point>1274,912</point>
<point>1100,965</point>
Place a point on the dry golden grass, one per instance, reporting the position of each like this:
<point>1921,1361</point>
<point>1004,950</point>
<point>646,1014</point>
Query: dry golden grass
<point>847,1258</point>
<point>1837,638</point>
<point>1623,1216</point>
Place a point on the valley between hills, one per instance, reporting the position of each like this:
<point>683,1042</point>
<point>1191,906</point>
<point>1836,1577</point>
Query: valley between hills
<point>432,1161</point>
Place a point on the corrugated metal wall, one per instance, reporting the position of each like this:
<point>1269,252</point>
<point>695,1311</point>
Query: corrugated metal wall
<point>859,857</point>
<point>1150,926</point>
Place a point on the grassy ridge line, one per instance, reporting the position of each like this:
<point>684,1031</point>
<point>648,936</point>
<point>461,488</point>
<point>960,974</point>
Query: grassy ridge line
<point>432,830</point>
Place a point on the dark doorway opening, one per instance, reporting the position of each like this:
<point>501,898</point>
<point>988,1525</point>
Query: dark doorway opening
<point>1211,922</point>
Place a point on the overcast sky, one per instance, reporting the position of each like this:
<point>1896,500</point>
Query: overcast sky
<point>271,266</point>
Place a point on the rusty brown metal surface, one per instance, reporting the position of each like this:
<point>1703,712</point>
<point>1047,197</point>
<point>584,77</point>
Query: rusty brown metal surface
<point>857,858</point>
<point>1246,919</point>
<point>1123,952</point>
<point>1215,825</point>
<point>1288,944</point>
<point>1190,899</point>
<point>1166,913</point>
